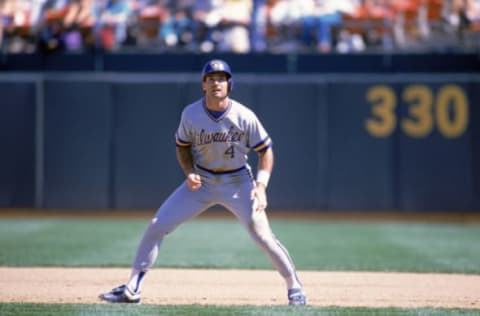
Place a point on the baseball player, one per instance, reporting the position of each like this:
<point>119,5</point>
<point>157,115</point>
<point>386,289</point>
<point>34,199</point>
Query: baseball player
<point>212,142</point>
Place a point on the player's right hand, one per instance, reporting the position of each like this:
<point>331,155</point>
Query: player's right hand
<point>194,182</point>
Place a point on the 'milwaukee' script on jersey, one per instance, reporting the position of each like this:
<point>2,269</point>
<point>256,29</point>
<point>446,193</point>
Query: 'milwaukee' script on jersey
<point>230,136</point>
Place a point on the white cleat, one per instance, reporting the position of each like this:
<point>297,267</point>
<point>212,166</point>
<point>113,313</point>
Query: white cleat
<point>121,294</point>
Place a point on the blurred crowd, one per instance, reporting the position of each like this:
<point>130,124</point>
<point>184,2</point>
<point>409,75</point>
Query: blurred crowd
<point>238,26</point>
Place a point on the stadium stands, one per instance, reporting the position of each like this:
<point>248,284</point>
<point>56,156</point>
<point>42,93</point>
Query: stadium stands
<point>239,26</point>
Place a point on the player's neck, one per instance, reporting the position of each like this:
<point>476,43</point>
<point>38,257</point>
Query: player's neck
<point>216,104</point>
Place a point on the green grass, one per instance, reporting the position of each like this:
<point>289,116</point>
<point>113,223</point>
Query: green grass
<point>385,246</point>
<point>379,246</point>
<point>197,310</point>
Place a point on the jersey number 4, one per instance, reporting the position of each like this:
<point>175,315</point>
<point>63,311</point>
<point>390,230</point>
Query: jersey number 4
<point>230,152</point>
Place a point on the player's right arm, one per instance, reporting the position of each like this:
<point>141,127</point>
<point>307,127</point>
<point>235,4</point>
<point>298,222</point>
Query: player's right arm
<point>185,160</point>
<point>184,154</point>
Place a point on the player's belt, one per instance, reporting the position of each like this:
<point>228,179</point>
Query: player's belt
<point>220,171</point>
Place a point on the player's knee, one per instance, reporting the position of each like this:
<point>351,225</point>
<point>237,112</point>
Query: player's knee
<point>261,236</point>
<point>158,228</point>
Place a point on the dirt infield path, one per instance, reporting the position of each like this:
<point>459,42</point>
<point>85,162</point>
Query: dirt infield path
<point>243,287</point>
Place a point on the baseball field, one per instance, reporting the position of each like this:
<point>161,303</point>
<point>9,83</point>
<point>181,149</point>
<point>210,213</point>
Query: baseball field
<point>380,264</point>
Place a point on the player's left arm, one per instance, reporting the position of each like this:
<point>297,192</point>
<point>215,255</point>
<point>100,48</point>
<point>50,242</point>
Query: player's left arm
<point>265,167</point>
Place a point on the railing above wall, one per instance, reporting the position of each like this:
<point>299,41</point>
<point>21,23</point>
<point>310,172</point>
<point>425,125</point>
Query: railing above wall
<point>244,63</point>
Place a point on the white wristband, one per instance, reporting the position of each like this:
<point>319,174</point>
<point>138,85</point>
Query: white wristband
<point>263,176</point>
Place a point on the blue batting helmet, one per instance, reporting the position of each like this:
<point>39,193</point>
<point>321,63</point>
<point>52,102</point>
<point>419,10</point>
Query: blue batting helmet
<point>218,65</point>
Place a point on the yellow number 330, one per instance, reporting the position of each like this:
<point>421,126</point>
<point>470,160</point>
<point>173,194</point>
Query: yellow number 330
<point>449,110</point>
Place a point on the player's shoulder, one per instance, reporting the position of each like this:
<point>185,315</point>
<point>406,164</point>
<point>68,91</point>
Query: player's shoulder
<point>193,107</point>
<point>242,109</point>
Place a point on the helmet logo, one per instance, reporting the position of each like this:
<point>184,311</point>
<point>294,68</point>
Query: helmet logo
<point>217,66</point>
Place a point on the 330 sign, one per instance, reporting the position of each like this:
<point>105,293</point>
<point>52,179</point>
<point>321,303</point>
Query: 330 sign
<point>447,110</point>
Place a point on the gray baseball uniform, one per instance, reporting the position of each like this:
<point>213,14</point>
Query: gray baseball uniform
<point>215,142</point>
<point>219,146</point>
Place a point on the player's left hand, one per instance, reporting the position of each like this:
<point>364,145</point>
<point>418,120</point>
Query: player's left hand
<point>259,193</point>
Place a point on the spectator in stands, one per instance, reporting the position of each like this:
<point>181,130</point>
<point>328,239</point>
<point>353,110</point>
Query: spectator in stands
<point>236,18</point>
<point>222,25</point>
<point>375,19</point>
<point>410,21</point>
<point>164,24</point>
<point>176,30</point>
<point>113,22</point>
<point>465,19</point>
<point>149,15</point>
<point>79,24</point>
<point>51,35</point>
<point>5,21</point>
<point>319,19</point>
<point>20,20</point>
<point>284,17</point>
<point>472,10</point>
<point>258,26</point>
<point>267,30</point>
<point>462,12</point>
<point>207,15</point>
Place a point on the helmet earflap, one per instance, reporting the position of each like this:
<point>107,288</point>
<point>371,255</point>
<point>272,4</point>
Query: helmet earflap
<point>218,65</point>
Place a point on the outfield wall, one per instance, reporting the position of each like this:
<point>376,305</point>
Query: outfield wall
<point>342,142</point>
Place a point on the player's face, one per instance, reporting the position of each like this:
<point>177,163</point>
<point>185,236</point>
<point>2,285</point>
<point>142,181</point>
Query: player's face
<point>216,85</point>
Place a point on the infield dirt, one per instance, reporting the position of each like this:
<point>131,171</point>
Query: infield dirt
<point>247,287</point>
<point>243,287</point>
